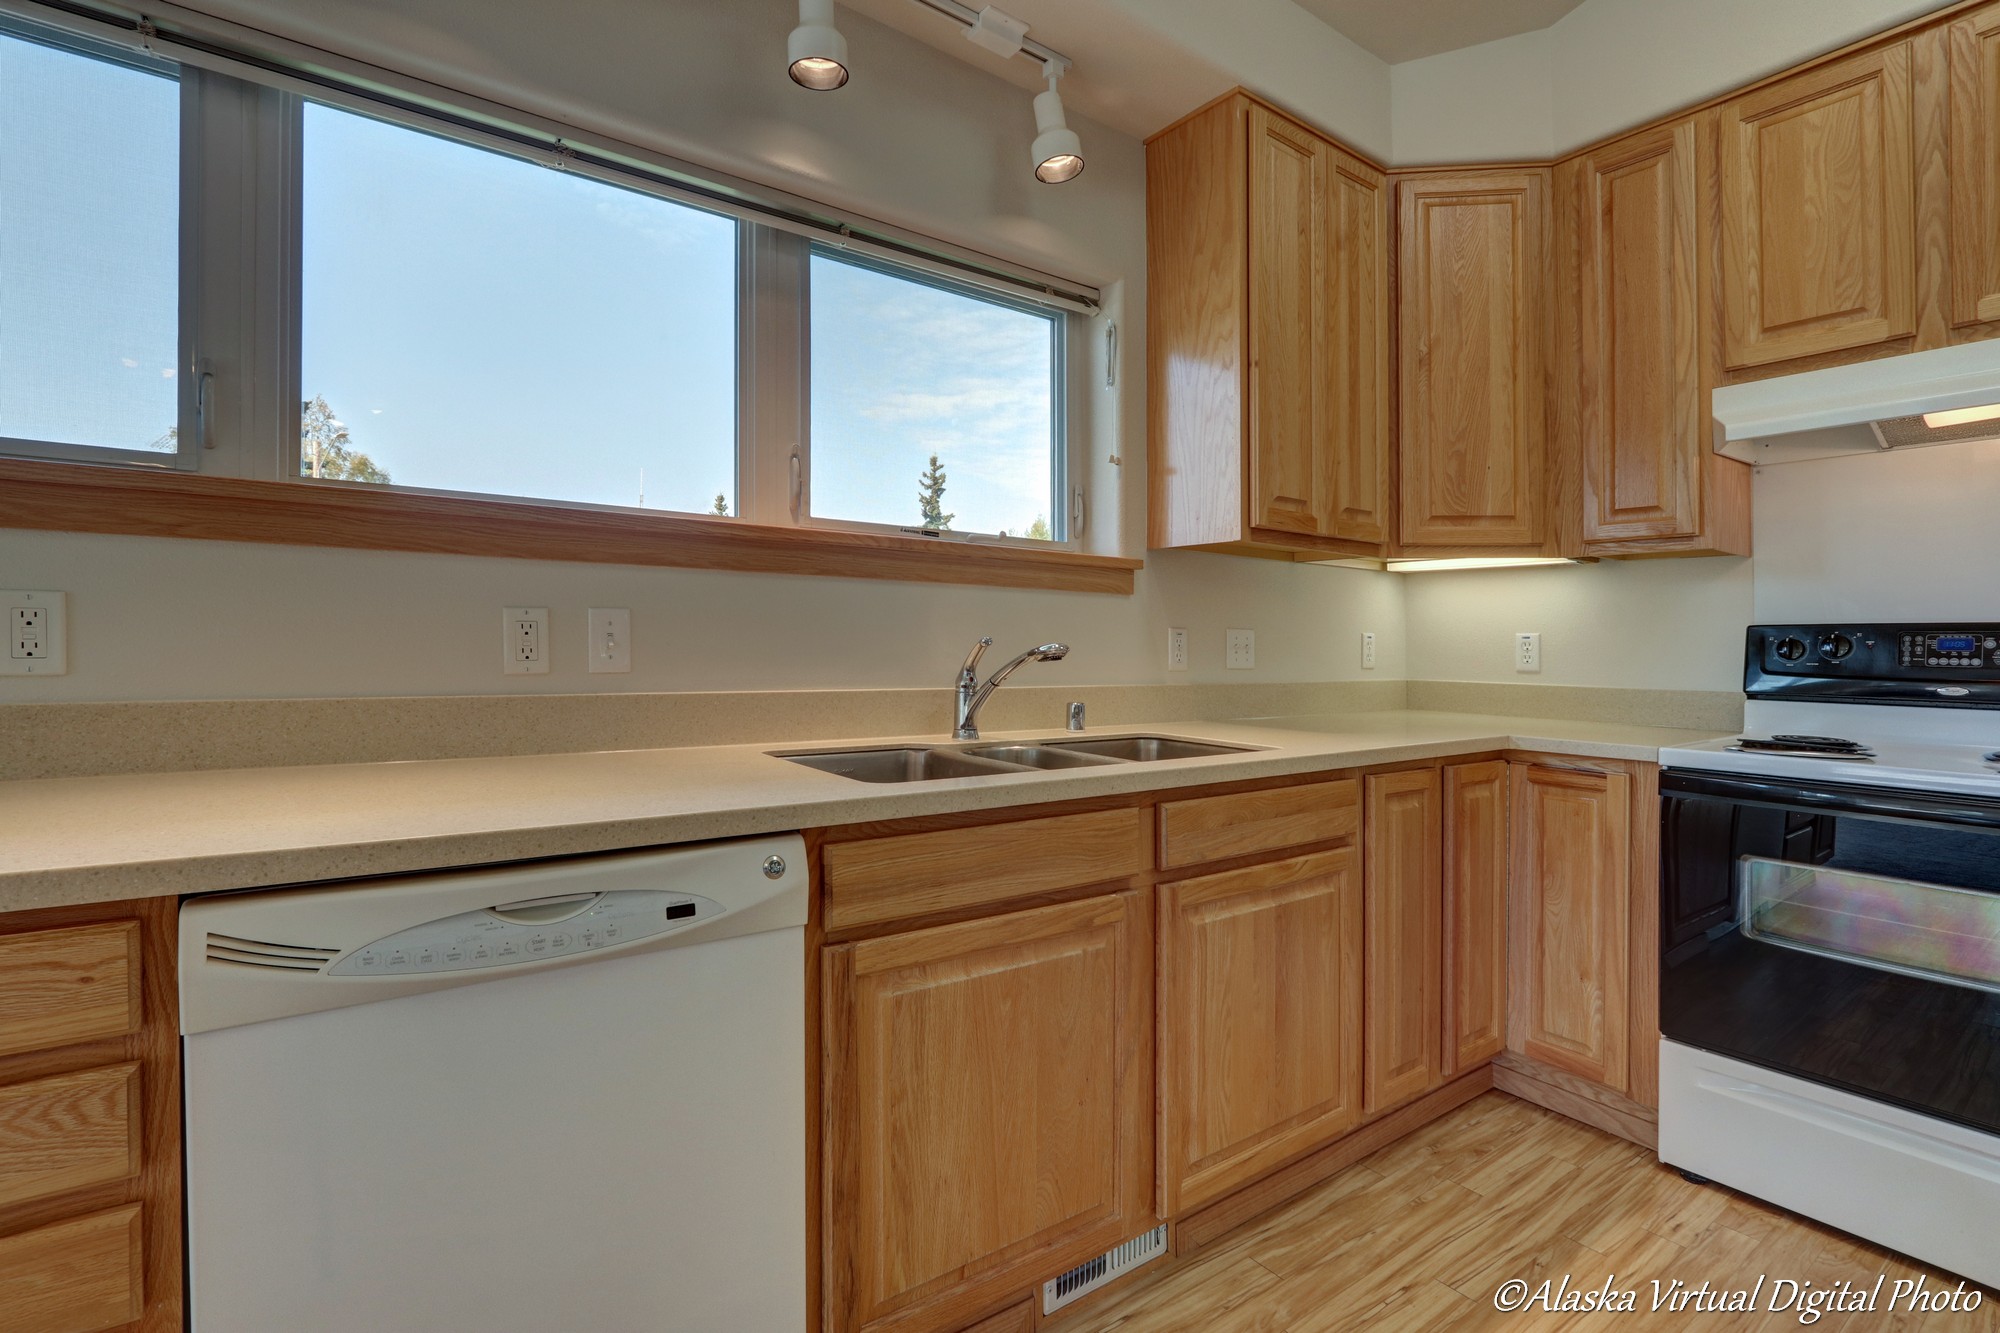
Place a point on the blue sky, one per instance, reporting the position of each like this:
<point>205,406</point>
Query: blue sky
<point>486,324</point>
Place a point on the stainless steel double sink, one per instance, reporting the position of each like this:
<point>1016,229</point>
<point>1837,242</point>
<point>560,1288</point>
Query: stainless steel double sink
<point>928,763</point>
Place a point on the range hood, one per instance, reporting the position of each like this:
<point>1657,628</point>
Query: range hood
<point>1863,408</point>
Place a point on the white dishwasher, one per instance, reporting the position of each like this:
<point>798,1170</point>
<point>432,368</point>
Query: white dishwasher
<point>565,1096</point>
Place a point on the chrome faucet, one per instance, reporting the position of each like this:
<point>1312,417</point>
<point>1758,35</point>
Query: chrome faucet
<point>971,694</point>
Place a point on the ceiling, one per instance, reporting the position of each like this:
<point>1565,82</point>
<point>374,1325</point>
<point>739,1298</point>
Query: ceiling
<point>1399,30</point>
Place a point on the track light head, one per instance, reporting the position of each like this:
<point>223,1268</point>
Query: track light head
<point>816,51</point>
<point>1058,153</point>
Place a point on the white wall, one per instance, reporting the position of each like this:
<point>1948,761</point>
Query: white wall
<point>1909,535</point>
<point>1609,65</point>
<point>918,139</point>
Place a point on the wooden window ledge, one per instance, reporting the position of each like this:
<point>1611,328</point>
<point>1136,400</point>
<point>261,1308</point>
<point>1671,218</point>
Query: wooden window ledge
<point>74,497</point>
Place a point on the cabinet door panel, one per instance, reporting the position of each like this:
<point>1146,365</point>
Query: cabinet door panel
<point>1260,1012</point>
<point>1404,832</point>
<point>1475,914</point>
<point>1354,404</point>
<point>1571,855</point>
<point>1974,44</point>
<point>989,1108</point>
<point>1289,228</point>
<point>1818,250</point>
<point>1471,446</point>
<point>1645,428</point>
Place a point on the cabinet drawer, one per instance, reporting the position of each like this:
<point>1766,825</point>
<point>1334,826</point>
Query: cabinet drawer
<point>887,879</point>
<point>1210,828</point>
<point>68,1131</point>
<point>80,1276</point>
<point>59,987</point>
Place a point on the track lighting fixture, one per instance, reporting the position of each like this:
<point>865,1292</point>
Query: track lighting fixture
<point>1058,153</point>
<point>817,51</point>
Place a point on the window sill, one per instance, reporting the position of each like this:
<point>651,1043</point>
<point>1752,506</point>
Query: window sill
<point>73,497</point>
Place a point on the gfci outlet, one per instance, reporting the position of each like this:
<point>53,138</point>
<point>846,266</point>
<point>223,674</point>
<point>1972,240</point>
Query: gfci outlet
<point>37,633</point>
<point>524,640</point>
<point>1177,650</point>
<point>1241,649</point>
<point>1367,650</point>
<point>1528,651</point>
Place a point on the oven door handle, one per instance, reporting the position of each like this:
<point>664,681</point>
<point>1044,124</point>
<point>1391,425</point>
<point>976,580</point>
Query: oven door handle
<point>1836,798</point>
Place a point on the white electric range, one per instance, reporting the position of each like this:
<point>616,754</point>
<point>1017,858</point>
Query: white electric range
<point>1830,938</point>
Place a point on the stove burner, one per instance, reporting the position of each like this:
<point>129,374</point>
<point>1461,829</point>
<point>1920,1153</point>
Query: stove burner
<point>1830,747</point>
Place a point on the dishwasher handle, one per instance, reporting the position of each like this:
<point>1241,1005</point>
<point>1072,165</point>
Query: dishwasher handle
<point>546,911</point>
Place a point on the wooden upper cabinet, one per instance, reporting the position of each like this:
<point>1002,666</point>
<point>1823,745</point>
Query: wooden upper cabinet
<point>1472,409</point>
<point>1631,381</point>
<point>1973,60</point>
<point>1403,830</point>
<point>1260,1020</point>
<point>1571,863</point>
<point>1268,337</point>
<point>988,1109</point>
<point>1475,914</point>
<point>1818,202</point>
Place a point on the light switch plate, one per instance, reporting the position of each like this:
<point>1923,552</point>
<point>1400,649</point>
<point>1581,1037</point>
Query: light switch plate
<point>1241,649</point>
<point>610,641</point>
<point>37,633</point>
<point>524,640</point>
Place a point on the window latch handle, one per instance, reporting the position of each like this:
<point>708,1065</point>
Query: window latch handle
<point>204,391</point>
<point>797,489</point>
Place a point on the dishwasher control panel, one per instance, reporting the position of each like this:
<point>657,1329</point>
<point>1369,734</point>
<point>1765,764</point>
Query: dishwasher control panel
<point>527,932</point>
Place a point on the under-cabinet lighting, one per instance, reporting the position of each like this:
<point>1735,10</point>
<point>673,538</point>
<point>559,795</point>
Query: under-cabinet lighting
<point>1477,562</point>
<point>1961,416</point>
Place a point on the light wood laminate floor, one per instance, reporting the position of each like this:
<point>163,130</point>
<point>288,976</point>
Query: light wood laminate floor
<point>1421,1235</point>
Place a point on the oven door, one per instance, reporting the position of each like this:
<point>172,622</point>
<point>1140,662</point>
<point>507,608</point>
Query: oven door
<point>1844,934</point>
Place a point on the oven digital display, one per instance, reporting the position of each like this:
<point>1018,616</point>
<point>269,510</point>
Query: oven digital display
<point>1957,643</point>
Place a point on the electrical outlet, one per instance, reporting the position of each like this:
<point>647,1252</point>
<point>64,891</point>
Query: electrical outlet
<point>1528,651</point>
<point>1242,649</point>
<point>610,639</point>
<point>524,640</point>
<point>1367,650</point>
<point>1177,650</point>
<point>37,633</point>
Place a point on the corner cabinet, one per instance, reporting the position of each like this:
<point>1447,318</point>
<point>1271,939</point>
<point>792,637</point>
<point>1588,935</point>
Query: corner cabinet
<point>988,1108</point>
<point>1268,338</point>
<point>1472,466</point>
<point>1631,373</point>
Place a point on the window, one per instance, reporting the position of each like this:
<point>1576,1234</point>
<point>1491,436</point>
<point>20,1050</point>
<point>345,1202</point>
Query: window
<point>474,322</point>
<point>931,406</point>
<point>89,254</point>
<point>243,267</point>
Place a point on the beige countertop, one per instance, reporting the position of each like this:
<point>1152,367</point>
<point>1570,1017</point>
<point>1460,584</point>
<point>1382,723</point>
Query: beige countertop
<point>96,839</point>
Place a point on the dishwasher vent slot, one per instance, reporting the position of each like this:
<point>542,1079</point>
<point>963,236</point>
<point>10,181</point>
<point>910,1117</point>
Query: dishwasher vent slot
<point>265,953</point>
<point>1091,1274</point>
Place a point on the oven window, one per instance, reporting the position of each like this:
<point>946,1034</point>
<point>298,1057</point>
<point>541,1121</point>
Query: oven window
<point>1923,930</point>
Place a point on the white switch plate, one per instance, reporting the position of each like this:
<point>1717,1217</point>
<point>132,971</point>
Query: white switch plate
<point>1177,650</point>
<point>1528,651</point>
<point>1241,649</point>
<point>1367,650</point>
<point>610,640</point>
<point>37,642</point>
<point>524,640</point>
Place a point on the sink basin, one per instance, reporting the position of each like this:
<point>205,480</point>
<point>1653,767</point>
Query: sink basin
<point>1147,749</point>
<point>1040,756</point>
<point>908,764</point>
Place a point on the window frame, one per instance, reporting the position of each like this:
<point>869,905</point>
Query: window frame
<point>242,174</point>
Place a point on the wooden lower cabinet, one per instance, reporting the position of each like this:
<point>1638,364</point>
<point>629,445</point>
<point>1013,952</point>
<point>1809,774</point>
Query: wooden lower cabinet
<point>1403,832</point>
<point>1570,886</point>
<point>988,1093</point>
<point>90,1171</point>
<point>1260,1002</point>
<point>1475,914</point>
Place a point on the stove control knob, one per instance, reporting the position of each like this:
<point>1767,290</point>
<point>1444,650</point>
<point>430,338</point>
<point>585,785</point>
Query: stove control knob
<point>1791,648</point>
<point>1833,647</point>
